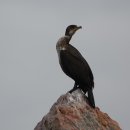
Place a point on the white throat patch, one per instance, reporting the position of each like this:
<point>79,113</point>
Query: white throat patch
<point>62,48</point>
<point>61,43</point>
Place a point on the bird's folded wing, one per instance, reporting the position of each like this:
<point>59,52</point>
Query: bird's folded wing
<point>79,59</point>
<point>75,53</point>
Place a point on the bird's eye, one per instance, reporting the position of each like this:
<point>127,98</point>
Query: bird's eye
<point>73,27</point>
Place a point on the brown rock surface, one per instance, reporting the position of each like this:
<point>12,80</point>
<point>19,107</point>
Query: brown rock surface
<point>72,112</point>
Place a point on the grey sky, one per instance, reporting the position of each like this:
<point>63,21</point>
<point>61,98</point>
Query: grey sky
<point>31,79</point>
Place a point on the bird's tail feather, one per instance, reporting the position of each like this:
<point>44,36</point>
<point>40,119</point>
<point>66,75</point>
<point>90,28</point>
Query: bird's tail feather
<point>91,98</point>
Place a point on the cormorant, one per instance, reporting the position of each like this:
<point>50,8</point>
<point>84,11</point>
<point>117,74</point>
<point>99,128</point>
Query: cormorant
<point>74,65</point>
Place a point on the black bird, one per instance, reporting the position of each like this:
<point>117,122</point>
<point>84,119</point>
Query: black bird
<point>74,65</point>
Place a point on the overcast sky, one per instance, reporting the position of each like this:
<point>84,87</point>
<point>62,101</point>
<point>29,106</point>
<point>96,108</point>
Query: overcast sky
<point>31,79</point>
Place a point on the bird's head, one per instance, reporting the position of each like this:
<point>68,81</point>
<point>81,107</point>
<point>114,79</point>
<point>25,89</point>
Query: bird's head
<point>71,29</point>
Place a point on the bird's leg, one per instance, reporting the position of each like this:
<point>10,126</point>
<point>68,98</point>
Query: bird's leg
<point>74,88</point>
<point>75,85</point>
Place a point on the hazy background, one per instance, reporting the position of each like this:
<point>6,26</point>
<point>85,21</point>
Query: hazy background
<point>31,79</point>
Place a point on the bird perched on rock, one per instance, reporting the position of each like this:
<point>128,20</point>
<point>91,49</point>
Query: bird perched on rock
<point>74,65</point>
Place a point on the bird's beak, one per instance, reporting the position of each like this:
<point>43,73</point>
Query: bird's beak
<point>79,27</point>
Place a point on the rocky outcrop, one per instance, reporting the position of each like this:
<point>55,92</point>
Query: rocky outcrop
<point>72,112</point>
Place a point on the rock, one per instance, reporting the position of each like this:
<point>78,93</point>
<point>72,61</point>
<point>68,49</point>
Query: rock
<point>72,112</point>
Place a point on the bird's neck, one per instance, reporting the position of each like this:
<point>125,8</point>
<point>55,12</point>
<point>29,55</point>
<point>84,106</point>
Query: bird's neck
<point>68,38</point>
<point>62,43</point>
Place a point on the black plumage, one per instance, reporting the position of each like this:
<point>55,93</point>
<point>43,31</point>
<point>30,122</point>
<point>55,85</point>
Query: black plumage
<point>74,65</point>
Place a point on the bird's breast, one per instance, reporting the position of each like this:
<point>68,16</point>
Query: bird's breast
<point>59,50</point>
<point>61,45</point>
